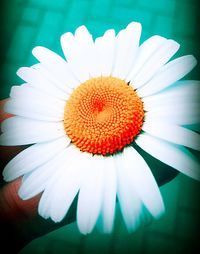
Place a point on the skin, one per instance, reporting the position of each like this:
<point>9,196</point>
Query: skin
<point>19,220</point>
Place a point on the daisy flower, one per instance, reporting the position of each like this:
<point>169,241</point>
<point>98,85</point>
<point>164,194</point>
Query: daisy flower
<point>85,116</point>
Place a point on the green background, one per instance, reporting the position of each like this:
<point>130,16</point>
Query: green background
<point>28,23</point>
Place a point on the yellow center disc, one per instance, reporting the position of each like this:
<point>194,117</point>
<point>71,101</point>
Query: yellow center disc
<point>103,115</point>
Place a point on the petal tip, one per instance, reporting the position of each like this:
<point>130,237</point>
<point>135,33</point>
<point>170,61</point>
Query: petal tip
<point>6,176</point>
<point>174,43</point>
<point>37,50</point>
<point>193,59</point>
<point>22,193</point>
<point>20,72</point>
<point>134,24</point>
<point>66,36</point>
<point>81,29</point>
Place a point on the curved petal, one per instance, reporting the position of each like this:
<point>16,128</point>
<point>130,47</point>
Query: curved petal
<point>80,53</point>
<point>67,41</point>
<point>45,200</point>
<point>66,158</point>
<point>28,91</point>
<point>173,133</point>
<point>35,181</point>
<point>175,113</point>
<point>130,203</point>
<point>90,196</point>
<point>35,108</point>
<point>183,92</point>
<point>104,47</point>
<point>22,131</point>
<point>86,53</point>
<point>172,155</point>
<point>67,186</point>
<point>57,66</point>
<point>160,57</point>
<point>33,157</point>
<point>143,181</point>
<point>41,82</point>
<point>127,44</point>
<point>109,194</point>
<point>168,74</point>
<point>48,75</point>
<point>145,52</point>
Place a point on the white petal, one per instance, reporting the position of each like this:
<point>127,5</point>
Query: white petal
<point>172,155</point>
<point>57,66</point>
<point>143,181</point>
<point>39,67</point>
<point>86,52</point>
<point>162,55</point>
<point>23,131</point>
<point>183,92</point>
<point>173,133</point>
<point>33,157</point>
<point>40,82</point>
<point>109,194</point>
<point>130,203</point>
<point>168,74</point>
<point>73,57</point>
<point>104,47</point>
<point>66,158</point>
<point>39,108</point>
<point>16,123</point>
<point>36,181</point>
<point>67,41</point>
<point>127,44</point>
<point>191,121</point>
<point>68,46</point>
<point>67,186</point>
<point>175,113</point>
<point>145,52</point>
<point>28,91</point>
<point>45,200</point>
<point>80,54</point>
<point>90,196</point>
<point>44,206</point>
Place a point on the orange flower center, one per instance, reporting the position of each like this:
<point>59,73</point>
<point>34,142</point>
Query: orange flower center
<point>103,115</point>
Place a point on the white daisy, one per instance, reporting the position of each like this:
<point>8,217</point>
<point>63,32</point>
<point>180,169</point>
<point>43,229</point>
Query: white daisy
<point>84,116</point>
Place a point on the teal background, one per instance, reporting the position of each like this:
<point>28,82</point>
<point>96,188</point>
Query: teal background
<point>28,23</point>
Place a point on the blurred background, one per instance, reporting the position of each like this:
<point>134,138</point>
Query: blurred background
<point>29,23</point>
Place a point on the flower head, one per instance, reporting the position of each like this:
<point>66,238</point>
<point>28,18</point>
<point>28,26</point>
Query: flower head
<point>85,115</point>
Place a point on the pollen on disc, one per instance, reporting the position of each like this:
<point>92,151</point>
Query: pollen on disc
<point>103,115</point>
